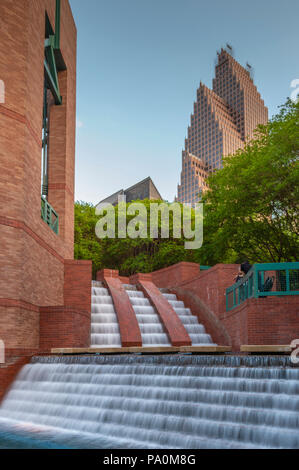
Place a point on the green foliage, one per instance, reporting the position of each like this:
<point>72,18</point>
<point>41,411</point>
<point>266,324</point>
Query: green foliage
<point>145,254</point>
<point>251,209</point>
<point>125,254</point>
<point>87,245</point>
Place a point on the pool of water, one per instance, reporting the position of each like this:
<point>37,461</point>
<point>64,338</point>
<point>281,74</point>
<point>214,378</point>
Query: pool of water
<point>9,440</point>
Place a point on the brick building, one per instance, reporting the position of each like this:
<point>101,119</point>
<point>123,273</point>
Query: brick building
<point>223,119</point>
<point>37,141</point>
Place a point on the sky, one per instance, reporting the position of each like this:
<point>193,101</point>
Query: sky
<point>140,63</point>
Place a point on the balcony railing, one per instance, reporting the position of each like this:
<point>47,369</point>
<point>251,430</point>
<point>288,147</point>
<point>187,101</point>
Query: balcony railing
<point>49,215</point>
<point>264,280</point>
<point>204,268</point>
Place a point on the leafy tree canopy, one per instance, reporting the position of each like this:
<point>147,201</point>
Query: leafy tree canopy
<point>126,254</point>
<point>251,209</point>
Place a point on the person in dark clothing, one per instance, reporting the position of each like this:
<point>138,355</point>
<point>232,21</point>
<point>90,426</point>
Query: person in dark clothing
<point>239,276</point>
<point>245,267</point>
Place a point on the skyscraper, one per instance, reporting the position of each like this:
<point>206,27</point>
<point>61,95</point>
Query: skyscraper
<point>222,120</point>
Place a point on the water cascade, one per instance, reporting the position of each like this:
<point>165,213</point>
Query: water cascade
<point>196,331</point>
<point>172,401</point>
<point>151,328</point>
<point>104,324</point>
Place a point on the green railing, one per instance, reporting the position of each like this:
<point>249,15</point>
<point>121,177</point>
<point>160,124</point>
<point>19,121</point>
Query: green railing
<point>49,215</point>
<point>263,280</point>
<point>204,268</point>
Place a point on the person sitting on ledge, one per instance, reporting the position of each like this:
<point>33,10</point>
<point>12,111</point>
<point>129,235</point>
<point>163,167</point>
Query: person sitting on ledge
<point>239,276</point>
<point>245,267</point>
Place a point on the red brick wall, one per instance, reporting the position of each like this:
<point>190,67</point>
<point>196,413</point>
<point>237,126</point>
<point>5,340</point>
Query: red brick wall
<point>176,274</point>
<point>77,284</point>
<point>107,273</point>
<point>64,327</point>
<point>19,325</point>
<point>32,255</point>
<point>8,373</point>
<point>272,320</point>
<point>212,285</point>
<point>69,325</point>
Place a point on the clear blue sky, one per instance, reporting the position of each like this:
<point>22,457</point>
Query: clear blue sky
<point>139,65</point>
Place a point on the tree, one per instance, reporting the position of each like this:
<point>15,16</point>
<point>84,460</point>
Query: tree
<point>87,245</point>
<point>251,208</point>
<point>126,254</point>
<point>145,254</point>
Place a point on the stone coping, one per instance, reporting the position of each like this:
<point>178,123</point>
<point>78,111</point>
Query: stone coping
<point>169,349</point>
<point>266,348</point>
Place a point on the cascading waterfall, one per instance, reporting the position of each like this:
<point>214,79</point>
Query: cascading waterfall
<point>173,401</point>
<point>196,331</point>
<point>104,323</point>
<point>151,328</point>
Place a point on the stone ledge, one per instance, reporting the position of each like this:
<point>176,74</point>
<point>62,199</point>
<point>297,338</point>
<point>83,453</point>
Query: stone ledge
<point>206,349</point>
<point>266,348</point>
<point>169,349</point>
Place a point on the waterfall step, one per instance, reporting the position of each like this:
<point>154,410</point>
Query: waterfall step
<point>195,330</point>
<point>106,331</point>
<point>165,401</point>
<point>145,349</point>
<point>97,284</point>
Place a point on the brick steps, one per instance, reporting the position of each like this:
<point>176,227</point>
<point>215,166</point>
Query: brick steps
<point>144,333</point>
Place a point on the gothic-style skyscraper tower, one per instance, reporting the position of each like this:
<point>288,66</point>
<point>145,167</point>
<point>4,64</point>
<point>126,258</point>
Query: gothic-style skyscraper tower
<point>222,120</point>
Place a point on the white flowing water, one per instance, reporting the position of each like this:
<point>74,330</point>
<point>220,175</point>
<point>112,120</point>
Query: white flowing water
<point>104,323</point>
<point>151,327</point>
<point>196,331</point>
<point>170,401</point>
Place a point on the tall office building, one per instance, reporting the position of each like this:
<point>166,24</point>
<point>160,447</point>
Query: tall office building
<point>223,119</point>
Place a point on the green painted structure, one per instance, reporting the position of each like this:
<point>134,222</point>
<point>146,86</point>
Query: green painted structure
<point>53,63</point>
<point>263,280</point>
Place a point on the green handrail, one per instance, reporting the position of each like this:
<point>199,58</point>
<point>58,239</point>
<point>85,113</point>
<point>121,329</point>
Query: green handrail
<point>264,280</point>
<point>49,215</point>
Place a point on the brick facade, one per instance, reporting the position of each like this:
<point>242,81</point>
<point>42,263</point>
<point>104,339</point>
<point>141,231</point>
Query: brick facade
<point>64,327</point>
<point>270,320</point>
<point>33,272</point>
<point>68,325</point>
<point>45,296</point>
<point>176,274</point>
<point>273,320</point>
